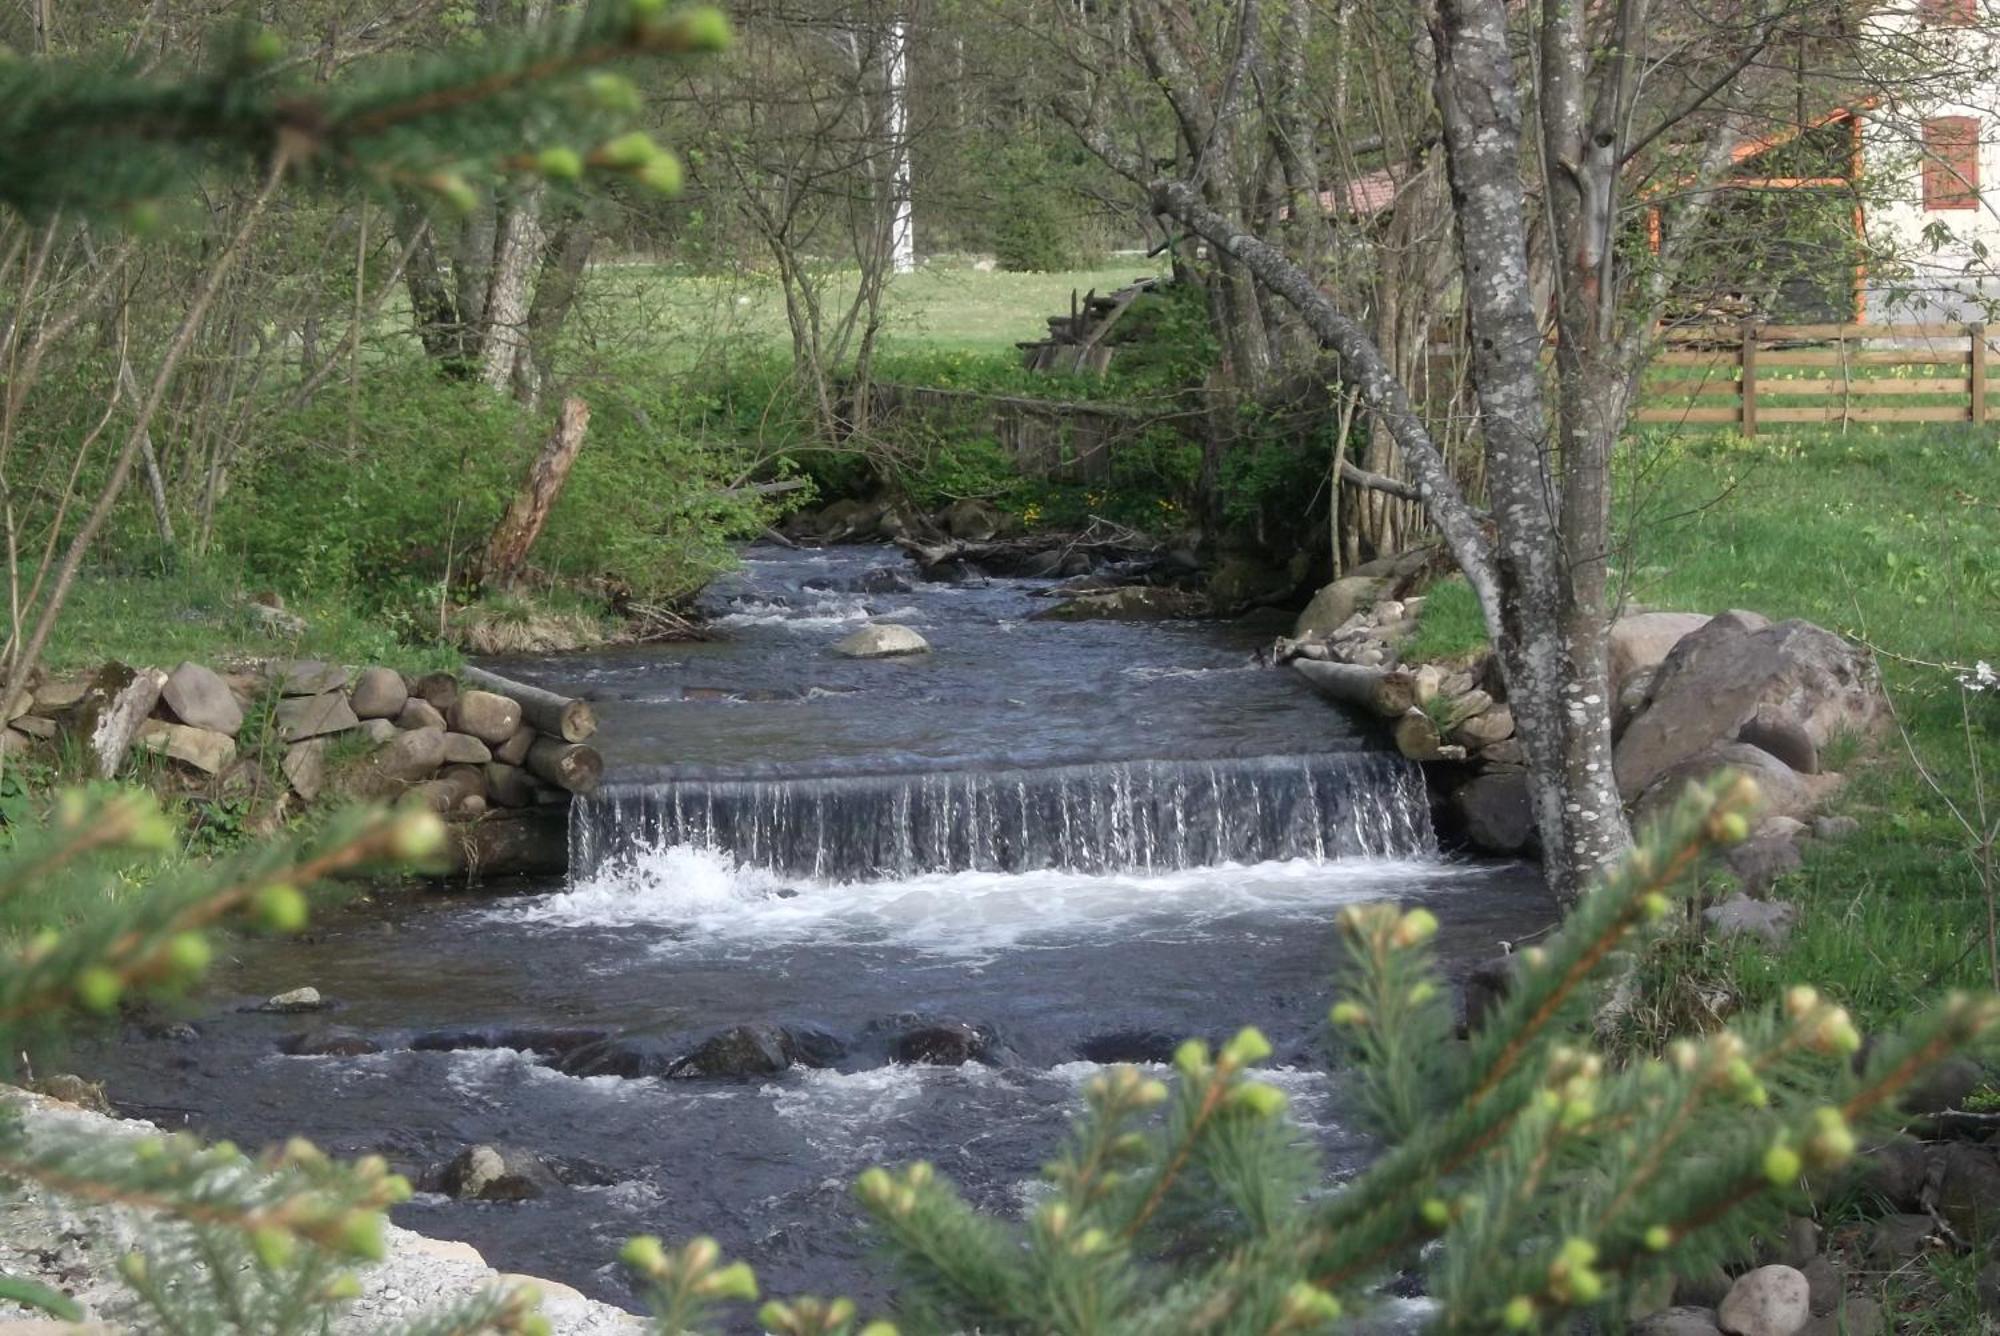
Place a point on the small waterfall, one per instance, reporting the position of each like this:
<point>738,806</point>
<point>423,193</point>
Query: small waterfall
<point>1145,816</point>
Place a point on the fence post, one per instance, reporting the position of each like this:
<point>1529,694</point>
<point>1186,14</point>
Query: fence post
<point>1977,371</point>
<point>1746,392</point>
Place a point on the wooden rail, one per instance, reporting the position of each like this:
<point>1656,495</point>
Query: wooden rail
<point>1746,375</point>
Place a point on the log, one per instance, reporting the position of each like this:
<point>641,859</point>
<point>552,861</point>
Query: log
<point>567,765</point>
<point>1389,692</point>
<point>558,716</point>
<point>1417,736</point>
<point>515,534</point>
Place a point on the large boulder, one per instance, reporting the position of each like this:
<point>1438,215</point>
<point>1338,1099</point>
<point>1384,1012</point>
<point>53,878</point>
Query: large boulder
<point>200,698</point>
<point>943,1044</point>
<point>309,677</point>
<point>881,640</point>
<point>1739,916</point>
<point>305,767</point>
<point>1644,639</point>
<point>973,520</point>
<point>1785,791</point>
<point>1335,603</point>
<point>1719,677</point>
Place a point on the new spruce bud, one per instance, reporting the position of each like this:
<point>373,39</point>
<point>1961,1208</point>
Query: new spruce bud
<point>98,989</point>
<point>1191,1058</point>
<point>644,1253</point>
<point>280,908</point>
<point>627,152</point>
<point>1261,1100</point>
<point>1782,1165</point>
<point>735,1281</point>
<point>1247,1048</point>
<point>559,163</point>
<point>1414,929</point>
<point>662,175</point>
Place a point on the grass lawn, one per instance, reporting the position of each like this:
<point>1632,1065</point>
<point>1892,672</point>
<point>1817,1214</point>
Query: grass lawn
<point>939,308</point>
<point>200,613</point>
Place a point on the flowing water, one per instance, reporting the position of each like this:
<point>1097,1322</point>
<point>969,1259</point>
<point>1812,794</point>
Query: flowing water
<point>1081,842</point>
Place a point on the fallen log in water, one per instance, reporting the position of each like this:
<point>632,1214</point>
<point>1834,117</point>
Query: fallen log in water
<point>562,717</point>
<point>1389,692</point>
<point>567,765</point>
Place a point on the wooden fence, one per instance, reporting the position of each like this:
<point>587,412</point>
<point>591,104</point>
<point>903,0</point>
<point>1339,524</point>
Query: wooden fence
<point>1755,376</point>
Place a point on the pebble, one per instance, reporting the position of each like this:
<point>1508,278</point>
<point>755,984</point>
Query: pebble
<point>1770,1301</point>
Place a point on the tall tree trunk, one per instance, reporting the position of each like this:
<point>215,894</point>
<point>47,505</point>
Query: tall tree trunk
<point>1550,644</point>
<point>564,260</point>
<point>439,322</point>
<point>517,247</point>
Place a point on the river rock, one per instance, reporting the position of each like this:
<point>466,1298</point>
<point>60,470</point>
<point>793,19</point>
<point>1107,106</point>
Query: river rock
<point>882,580</point>
<point>490,1173</point>
<point>1495,812</point>
<point>419,713</point>
<point>1484,729</point>
<point>464,749</point>
<point>407,758</point>
<point>1834,829</point>
<point>1716,679</point>
<point>309,677</point>
<point>302,717</point>
<point>379,693</point>
<point>1770,1301</point>
<point>332,1041</point>
<point>203,749</point>
<point>36,727</point>
<point>378,731</point>
<point>1739,915</point>
<point>1487,985</point>
<point>881,640</point>
<point>200,698</point>
<point>1129,603</point>
<point>514,751</point>
<point>295,1000</point>
<point>1641,640</point>
<point>1134,1046</point>
<point>1335,603</point>
<point>943,1044</point>
<point>1896,1171</point>
<point>490,717</point>
<point>741,1052</point>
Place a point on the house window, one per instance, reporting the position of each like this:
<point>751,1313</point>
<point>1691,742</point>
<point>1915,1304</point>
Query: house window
<point>1948,13</point>
<point>1951,163</point>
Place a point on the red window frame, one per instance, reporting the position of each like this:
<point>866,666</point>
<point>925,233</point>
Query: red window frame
<point>1951,163</point>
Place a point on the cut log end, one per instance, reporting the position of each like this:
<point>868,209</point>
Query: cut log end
<point>567,765</point>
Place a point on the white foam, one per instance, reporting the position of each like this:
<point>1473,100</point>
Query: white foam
<point>712,901</point>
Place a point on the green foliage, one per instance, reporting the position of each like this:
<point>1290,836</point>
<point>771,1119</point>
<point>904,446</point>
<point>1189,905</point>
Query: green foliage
<point>646,510</point>
<point>1040,228</point>
<point>105,138</point>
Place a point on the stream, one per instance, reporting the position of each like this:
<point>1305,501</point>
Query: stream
<point>1072,842</point>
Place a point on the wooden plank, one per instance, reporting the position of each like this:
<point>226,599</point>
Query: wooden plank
<point>1866,413</point>
<point>1727,333</point>
<point>1746,397</point>
<point>1976,383</point>
<point>1679,415</point>
<point>1863,357</point>
<point>1859,387</point>
<point>1721,357</point>
<point>1716,385</point>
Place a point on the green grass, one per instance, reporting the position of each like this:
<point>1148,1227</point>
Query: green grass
<point>200,613</point>
<point>939,308</point>
<point>1451,625</point>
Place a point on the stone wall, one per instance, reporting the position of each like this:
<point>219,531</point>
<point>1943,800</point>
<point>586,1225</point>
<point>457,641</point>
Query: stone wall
<point>281,736</point>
